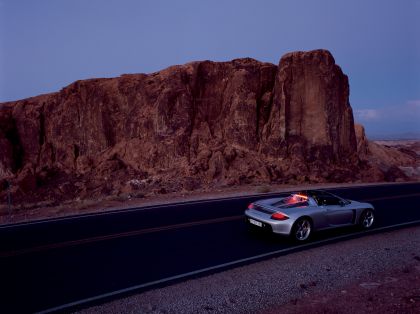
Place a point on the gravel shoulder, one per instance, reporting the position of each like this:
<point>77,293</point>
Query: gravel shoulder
<point>373,274</point>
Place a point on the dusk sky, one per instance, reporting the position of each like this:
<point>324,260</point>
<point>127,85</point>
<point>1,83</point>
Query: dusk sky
<point>47,44</point>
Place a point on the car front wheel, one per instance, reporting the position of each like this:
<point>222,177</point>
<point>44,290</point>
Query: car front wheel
<point>366,219</point>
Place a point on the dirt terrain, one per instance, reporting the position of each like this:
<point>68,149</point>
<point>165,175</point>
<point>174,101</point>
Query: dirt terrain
<point>396,291</point>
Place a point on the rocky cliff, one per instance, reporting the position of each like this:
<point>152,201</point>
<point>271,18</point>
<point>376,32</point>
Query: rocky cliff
<point>196,125</point>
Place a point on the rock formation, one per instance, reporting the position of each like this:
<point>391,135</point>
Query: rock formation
<point>384,163</point>
<point>311,110</point>
<point>201,124</point>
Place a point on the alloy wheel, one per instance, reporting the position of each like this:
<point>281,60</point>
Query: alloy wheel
<point>367,219</point>
<point>302,230</point>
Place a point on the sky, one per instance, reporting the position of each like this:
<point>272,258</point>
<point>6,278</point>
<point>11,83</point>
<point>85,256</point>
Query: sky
<point>47,44</point>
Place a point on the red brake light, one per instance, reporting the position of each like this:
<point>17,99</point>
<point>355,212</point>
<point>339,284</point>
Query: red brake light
<point>251,206</point>
<point>279,216</point>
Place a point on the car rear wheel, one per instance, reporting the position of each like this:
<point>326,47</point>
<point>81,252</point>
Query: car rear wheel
<point>302,230</point>
<point>366,219</point>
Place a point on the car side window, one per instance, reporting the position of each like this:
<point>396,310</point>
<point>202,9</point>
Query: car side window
<point>331,200</point>
<point>327,200</point>
<point>319,199</point>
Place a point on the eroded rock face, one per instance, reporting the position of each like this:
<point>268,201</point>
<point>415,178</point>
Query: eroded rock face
<point>311,110</point>
<point>10,156</point>
<point>189,126</point>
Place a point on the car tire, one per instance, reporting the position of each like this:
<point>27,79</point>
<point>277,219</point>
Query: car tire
<point>367,218</point>
<point>302,230</point>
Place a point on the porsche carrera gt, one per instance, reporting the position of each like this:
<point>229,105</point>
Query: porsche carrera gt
<point>299,214</point>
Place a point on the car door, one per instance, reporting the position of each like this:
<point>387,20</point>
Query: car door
<point>337,212</point>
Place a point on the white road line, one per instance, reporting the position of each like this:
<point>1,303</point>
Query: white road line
<point>220,266</point>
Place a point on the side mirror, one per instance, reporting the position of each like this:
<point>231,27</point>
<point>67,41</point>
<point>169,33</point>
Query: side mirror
<point>342,203</point>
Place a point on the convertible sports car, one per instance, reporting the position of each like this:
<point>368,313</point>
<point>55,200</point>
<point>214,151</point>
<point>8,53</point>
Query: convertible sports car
<point>299,214</point>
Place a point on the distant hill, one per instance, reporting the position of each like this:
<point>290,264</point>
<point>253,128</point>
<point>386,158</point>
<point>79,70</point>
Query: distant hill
<point>395,136</point>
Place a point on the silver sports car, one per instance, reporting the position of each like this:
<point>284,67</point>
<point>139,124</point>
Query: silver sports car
<point>299,214</point>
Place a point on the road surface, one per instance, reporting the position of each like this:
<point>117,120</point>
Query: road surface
<point>54,263</point>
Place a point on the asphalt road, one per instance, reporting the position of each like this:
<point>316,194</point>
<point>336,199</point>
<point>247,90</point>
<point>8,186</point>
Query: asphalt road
<point>51,263</point>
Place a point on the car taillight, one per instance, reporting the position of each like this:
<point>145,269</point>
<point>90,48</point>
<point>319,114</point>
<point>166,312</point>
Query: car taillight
<point>279,216</point>
<point>251,206</point>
